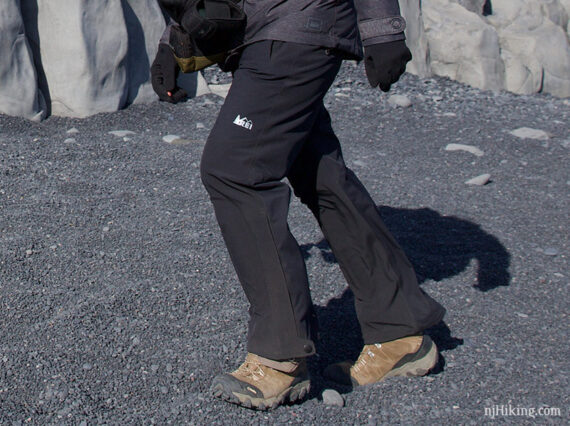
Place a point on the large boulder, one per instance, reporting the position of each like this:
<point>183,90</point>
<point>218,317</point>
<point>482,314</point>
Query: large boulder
<point>462,45</point>
<point>534,45</point>
<point>80,50</point>
<point>415,38</point>
<point>19,94</point>
<point>145,25</point>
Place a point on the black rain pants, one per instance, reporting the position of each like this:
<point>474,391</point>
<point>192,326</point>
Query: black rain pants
<point>274,125</point>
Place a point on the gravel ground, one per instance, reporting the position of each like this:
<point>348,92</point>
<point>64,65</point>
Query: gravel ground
<point>118,303</point>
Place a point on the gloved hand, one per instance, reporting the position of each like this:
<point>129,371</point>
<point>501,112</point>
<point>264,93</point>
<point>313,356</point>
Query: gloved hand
<point>386,62</point>
<point>163,73</point>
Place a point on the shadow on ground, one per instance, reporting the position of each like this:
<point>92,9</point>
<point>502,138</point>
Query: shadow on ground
<point>439,247</point>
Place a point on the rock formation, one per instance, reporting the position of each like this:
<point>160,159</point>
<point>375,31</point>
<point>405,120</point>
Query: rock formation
<point>521,46</point>
<point>78,58</point>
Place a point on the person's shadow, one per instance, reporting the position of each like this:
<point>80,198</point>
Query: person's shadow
<point>439,247</point>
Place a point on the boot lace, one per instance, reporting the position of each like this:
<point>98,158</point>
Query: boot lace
<point>252,369</point>
<point>366,356</point>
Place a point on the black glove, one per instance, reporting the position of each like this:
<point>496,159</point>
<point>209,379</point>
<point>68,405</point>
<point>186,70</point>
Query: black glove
<point>386,62</point>
<point>163,73</point>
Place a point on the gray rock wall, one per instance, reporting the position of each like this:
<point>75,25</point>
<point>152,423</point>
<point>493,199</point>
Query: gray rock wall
<point>19,94</point>
<point>79,57</point>
<point>521,46</point>
<point>83,57</point>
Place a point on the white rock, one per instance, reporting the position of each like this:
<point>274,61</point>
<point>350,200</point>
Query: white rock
<point>551,251</point>
<point>82,49</point>
<point>468,148</point>
<point>19,93</point>
<point>416,38</point>
<point>479,180</point>
<point>121,133</point>
<point>170,138</point>
<point>220,89</point>
<point>534,45</point>
<point>144,24</point>
<point>462,45</point>
<point>529,133</point>
<point>194,84</point>
<point>93,56</point>
<point>72,131</point>
<point>400,101</point>
<point>332,397</point>
<point>70,140</point>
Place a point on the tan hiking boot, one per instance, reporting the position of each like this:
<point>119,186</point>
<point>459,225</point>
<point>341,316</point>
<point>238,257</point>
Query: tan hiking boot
<point>262,383</point>
<point>408,356</point>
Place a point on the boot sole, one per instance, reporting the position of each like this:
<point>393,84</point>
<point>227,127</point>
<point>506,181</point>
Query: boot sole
<point>418,364</point>
<point>290,394</point>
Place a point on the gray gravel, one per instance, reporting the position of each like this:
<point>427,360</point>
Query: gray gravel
<point>118,303</point>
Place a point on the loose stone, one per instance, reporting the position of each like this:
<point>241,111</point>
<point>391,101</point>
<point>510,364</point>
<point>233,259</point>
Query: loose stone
<point>468,148</point>
<point>332,397</point>
<point>529,133</point>
<point>400,101</point>
<point>479,180</point>
<point>121,133</point>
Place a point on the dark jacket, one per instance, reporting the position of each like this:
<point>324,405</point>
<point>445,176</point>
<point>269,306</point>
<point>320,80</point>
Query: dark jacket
<point>339,24</point>
<point>345,25</point>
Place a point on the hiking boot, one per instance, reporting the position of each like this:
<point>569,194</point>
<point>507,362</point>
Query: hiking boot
<point>408,356</point>
<point>262,383</point>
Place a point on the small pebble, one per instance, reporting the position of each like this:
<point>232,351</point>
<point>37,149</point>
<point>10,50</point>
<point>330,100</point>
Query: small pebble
<point>200,126</point>
<point>221,90</point>
<point>479,180</point>
<point>170,138</point>
<point>551,251</point>
<point>70,140</point>
<point>400,101</point>
<point>121,133</point>
<point>29,252</point>
<point>332,397</point>
<point>72,131</point>
<point>468,148</point>
<point>529,133</point>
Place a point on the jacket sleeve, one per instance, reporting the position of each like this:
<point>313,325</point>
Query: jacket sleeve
<point>165,38</point>
<point>379,21</point>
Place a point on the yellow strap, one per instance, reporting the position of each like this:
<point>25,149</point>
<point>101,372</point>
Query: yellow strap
<point>196,63</point>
